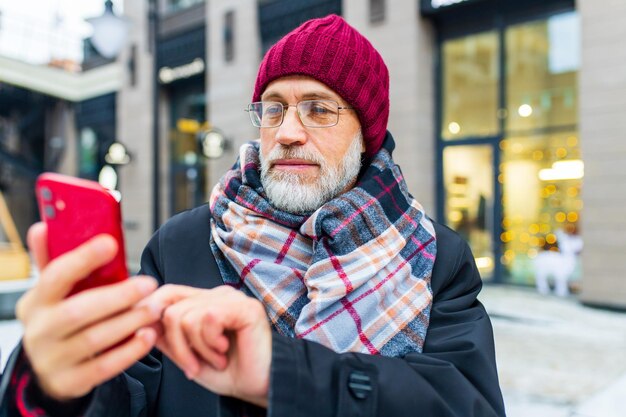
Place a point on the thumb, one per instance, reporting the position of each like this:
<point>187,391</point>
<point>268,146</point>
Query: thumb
<point>36,239</point>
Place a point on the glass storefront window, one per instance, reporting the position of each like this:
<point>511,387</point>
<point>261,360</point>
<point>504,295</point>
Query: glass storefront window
<point>468,179</point>
<point>188,168</point>
<point>541,169</point>
<point>542,179</point>
<point>174,5</point>
<point>534,130</point>
<point>542,66</point>
<point>88,165</point>
<point>470,86</point>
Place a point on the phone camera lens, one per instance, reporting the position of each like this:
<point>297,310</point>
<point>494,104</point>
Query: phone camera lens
<point>49,211</point>
<point>46,194</point>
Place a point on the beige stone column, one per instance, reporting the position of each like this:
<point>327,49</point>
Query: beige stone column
<point>602,84</point>
<point>230,84</point>
<point>405,41</point>
<point>134,129</point>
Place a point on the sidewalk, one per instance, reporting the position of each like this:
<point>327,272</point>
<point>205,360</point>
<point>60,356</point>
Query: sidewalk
<point>556,357</point>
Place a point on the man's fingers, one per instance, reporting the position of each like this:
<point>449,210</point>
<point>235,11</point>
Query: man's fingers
<point>163,345</point>
<point>176,341</point>
<point>183,323</point>
<point>82,379</point>
<point>233,309</point>
<point>60,275</point>
<point>96,304</point>
<point>102,336</point>
<point>24,306</point>
<point>37,243</point>
<point>212,333</point>
<point>193,326</point>
<point>158,328</point>
<point>170,294</point>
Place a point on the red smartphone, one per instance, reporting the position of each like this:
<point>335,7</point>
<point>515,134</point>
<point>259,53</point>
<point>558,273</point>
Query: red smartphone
<point>76,210</point>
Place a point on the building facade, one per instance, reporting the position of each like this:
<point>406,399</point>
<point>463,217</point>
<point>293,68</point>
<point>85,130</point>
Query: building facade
<point>602,91</point>
<point>506,115</point>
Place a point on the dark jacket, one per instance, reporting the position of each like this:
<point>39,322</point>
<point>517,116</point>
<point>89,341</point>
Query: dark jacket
<point>454,376</point>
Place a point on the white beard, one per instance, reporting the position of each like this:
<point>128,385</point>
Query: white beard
<point>296,194</point>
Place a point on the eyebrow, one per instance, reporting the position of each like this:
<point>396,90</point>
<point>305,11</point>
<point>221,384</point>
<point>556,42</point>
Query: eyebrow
<point>314,95</point>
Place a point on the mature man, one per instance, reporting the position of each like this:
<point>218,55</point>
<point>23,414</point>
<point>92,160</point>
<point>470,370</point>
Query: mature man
<point>313,284</point>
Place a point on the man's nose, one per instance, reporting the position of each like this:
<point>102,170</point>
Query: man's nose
<point>292,131</point>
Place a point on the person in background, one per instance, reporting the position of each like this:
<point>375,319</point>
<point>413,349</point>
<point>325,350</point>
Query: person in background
<point>311,284</point>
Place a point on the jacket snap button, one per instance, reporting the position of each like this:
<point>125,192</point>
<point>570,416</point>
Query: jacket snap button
<point>360,384</point>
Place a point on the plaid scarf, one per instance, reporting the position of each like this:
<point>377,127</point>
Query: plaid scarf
<point>353,276</point>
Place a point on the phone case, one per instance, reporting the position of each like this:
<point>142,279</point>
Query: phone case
<point>76,210</point>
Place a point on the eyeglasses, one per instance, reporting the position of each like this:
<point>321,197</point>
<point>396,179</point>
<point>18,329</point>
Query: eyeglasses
<point>312,113</point>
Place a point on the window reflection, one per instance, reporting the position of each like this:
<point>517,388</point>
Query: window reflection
<point>470,86</point>
<point>188,171</point>
<point>542,66</point>
<point>542,180</point>
<point>174,5</point>
<point>468,178</point>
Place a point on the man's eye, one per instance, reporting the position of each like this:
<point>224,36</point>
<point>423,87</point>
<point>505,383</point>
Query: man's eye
<point>273,110</point>
<point>318,109</point>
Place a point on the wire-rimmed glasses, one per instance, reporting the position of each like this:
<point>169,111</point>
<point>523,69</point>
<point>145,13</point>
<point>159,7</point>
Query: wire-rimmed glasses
<point>312,113</point>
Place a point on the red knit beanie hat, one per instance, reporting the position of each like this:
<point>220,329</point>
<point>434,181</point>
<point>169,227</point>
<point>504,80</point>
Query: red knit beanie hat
<point>333,52</point>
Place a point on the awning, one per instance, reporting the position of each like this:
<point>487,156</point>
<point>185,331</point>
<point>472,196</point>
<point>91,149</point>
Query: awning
<point>59,83</point>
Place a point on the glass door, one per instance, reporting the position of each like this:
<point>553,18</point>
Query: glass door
<point>468,179</point>
<point>468,136</point>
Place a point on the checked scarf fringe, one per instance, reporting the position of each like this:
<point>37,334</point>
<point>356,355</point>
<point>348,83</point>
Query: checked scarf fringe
<point>353,276</point>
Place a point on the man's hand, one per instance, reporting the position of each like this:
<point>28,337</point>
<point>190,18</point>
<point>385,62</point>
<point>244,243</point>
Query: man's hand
<point>69,340</point>
<point>220,338</point>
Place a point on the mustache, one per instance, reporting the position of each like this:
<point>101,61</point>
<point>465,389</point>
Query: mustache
<point>294,152</point>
